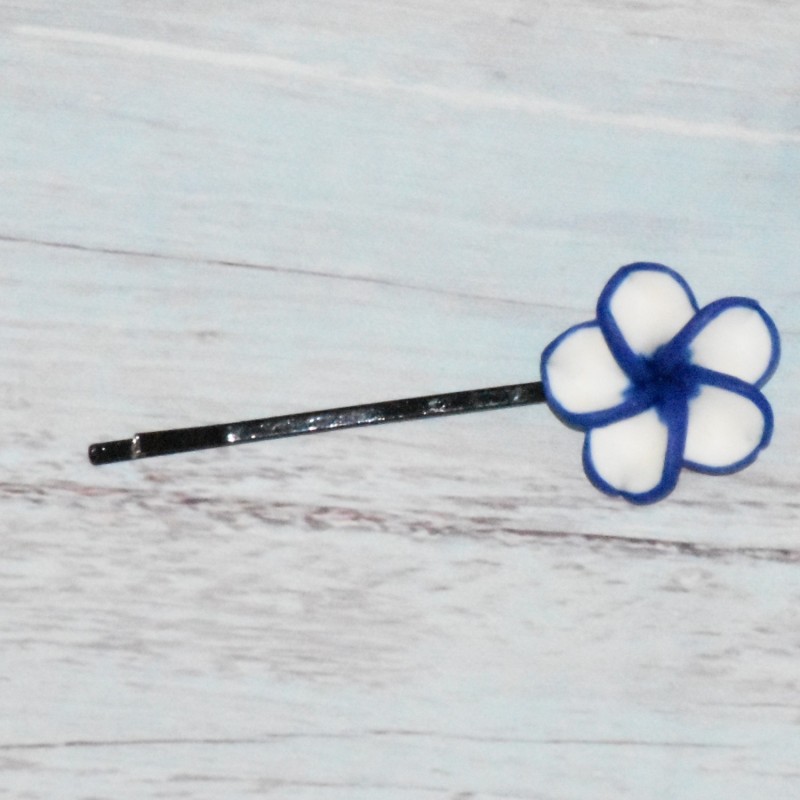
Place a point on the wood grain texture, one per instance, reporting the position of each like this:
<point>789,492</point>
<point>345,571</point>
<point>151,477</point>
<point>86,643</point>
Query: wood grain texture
<point>211,214</point>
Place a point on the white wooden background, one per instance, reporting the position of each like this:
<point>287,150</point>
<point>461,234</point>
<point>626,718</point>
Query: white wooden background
<point>215,211</point>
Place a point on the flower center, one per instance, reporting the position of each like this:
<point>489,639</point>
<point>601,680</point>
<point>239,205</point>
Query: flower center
<point>668,376</point>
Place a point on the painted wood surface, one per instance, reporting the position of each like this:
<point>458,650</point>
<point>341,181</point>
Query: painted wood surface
<point>221,211</point>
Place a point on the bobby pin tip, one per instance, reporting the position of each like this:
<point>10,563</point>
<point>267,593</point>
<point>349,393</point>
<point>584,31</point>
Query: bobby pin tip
<point>111,452</point>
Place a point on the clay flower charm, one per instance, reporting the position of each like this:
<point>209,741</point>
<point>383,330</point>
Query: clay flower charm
<point>659,384</point>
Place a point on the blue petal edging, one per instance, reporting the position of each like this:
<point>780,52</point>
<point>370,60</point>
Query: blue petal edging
<point>731,384</point>
<point>632,363</point>
<point>683,340</point>
<point>676,420</point>
<point>633,404</point>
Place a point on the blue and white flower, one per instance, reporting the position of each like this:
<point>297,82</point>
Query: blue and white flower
<point>659,384</point>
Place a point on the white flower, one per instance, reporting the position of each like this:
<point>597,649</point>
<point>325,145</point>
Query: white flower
<point>659,384</point>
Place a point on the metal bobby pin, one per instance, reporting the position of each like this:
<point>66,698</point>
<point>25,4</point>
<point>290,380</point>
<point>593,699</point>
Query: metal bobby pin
<point>204,437</point>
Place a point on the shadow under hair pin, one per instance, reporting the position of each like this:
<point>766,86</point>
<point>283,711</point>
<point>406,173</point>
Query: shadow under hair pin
<point>655,382</point>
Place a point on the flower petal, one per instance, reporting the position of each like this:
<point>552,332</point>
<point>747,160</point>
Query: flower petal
<point>639,457</point>
<point>641,308</point>
<point>581,377</point>
<point>727,426</point>
<point>737,337</point>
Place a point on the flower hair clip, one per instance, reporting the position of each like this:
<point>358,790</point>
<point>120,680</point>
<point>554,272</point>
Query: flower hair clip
<point>655,382</point>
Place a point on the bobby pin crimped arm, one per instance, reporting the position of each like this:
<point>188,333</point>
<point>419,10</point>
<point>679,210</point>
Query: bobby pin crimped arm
<point>183,440</point>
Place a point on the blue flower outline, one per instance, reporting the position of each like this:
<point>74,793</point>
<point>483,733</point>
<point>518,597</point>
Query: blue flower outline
<point>665,380</point>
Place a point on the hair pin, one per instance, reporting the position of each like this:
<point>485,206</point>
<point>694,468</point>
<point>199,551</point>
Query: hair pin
<point>655,383</point>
